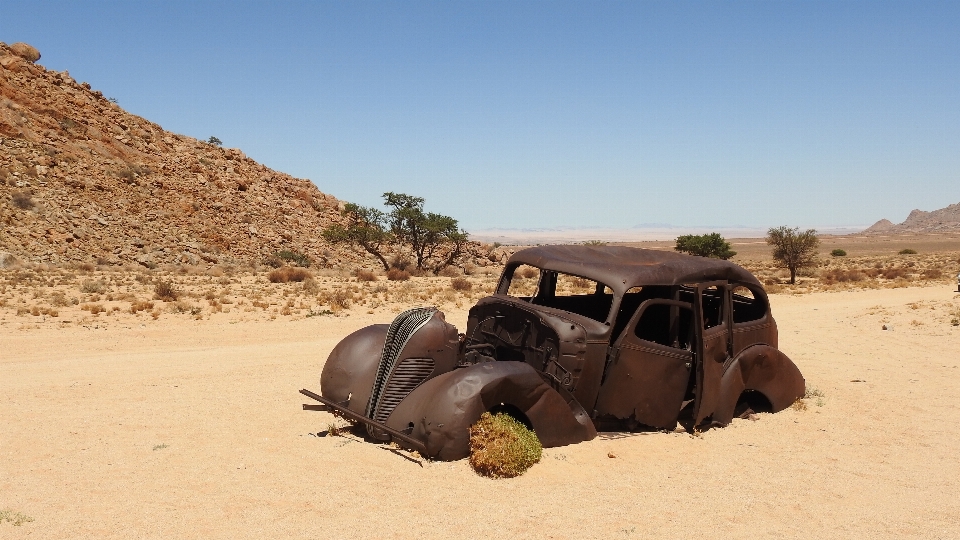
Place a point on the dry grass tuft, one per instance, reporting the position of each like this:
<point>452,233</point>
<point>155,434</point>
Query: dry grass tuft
<point>461,284</point>
<point>502,447</point>
<point>288,274</point>
<point>365,275</point>
<point>395,274</point>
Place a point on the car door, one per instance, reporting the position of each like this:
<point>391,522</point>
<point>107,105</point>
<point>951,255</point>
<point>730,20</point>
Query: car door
<point>650,365</point>
<point>712,319</point>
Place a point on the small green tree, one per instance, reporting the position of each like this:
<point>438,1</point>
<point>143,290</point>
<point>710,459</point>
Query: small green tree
<point>426,233</point>
<point>705,245</point>
<point>793,249</point>
<point>214,141</point>
<point>366,227</point>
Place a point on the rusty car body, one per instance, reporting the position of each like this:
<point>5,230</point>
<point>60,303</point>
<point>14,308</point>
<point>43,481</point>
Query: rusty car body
<point>575,339</point>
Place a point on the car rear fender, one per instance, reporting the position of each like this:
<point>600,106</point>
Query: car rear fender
<point>764,369</point>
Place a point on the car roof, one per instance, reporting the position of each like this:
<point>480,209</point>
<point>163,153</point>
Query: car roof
<point>621,268</point>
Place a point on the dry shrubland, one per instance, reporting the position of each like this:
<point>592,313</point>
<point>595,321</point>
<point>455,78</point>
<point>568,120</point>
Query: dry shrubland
<point>867,272</point>
<point>82,294</point>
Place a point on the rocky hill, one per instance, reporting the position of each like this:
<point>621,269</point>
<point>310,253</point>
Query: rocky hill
<point>82,180</point>
<point>938,221</point>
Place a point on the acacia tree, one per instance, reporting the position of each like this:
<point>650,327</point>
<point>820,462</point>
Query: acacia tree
<point>426,233</point>
<point>366,227</point>
<point>793,249</point>
<point>704,245</point>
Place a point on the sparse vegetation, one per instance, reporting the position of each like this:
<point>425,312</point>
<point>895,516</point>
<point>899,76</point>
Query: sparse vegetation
<point>214,141</point>
<point>93,287</point>
<point>502,447</point>
<point>705,245</point>
<point>461,284</point>
<point>907,251</point>
<point>166,291</point>
<point>160,446</point>
<point>838,253</point>
<point>298,259</point>
<point>15,518</point>
<point>792,249</point>
<point>396,274</point>
<point>22,200</point>
<point>287,274</point>
<point>365,275</point>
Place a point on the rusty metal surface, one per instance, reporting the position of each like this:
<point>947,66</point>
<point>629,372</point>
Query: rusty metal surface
<point>621,268</point>
<point>414,444</point>
<point>676,337</point>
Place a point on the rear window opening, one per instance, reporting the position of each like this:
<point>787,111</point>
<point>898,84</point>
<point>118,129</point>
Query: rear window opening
<point>747,306</point>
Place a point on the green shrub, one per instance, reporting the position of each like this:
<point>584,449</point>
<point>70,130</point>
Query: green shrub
<point>502,447</point>
<point>704,245</point>
<point>298,259</point>
<point>838,253</point>
<point>907,251</point>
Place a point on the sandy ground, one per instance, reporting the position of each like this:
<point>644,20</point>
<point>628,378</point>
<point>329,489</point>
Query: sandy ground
<point>181,428</point>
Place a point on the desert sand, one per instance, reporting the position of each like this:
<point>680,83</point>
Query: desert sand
<point>182,428</point>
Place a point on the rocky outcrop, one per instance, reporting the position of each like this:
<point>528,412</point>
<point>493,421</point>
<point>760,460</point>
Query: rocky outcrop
<point>82,180</point>
<point>27,52</point>
<point>919,221</point>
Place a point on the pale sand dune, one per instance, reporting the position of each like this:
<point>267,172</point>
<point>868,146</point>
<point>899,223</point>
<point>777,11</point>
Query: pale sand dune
<point>81,411</point>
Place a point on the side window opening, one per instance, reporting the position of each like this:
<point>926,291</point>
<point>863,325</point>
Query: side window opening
<point>632,300</point>
<point>747,306</point>
<point>523,283</point>
<point>655,324</point>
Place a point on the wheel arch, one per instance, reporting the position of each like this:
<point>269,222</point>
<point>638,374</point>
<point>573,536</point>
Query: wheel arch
<point>759,368</point>
<point>441,411</point>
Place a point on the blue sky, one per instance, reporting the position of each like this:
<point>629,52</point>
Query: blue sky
<point>550,114</point>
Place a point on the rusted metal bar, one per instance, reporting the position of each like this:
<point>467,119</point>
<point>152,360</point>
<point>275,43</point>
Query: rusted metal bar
<point>322,408</point>
<point>410,441</point>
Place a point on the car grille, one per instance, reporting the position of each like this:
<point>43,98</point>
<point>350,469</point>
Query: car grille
<point>395,379</point>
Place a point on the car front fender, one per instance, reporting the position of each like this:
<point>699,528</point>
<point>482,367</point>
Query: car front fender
<point>441,411</point>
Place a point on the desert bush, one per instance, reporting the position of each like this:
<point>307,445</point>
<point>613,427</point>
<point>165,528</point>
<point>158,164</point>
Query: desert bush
<point>528,272</point>
<point>907,251</point>
<point>288,274</point>
<point>298,259</point>
<point>894,273</point>
<point>449,271</point>
<point>838,253</point>
<point>840,275</point>
<point>94,309</point>
<point>704,245</point>
<point>502,447</point>
<point>932,273</point>
<point>310,286</point>
<point>166,291</point>
<point>140,305</point>
<point>93,287</point>
<point>22,200</point>
<point>340,299</point>
<point>461,284</point>
<point>365,275</point>
<point>400,262</point>
<point>396,274</point>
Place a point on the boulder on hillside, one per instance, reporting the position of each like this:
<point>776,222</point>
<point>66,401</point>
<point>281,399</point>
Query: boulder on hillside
<point>25,51</point>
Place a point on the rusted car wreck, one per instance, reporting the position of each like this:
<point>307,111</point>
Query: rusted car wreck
<point>575,339</point>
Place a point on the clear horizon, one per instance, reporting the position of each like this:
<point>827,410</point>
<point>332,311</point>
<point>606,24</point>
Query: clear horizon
<point>550,115</point>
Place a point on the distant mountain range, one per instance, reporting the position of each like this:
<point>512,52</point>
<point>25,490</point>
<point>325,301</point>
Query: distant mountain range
<point>942,220</point>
